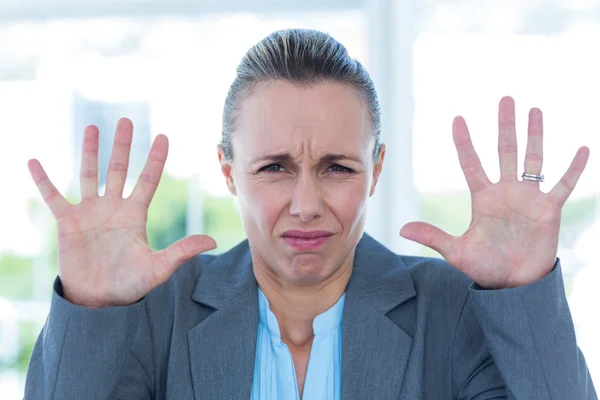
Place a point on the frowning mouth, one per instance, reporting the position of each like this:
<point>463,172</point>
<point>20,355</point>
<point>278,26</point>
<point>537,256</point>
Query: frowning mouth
<point>306,240</point>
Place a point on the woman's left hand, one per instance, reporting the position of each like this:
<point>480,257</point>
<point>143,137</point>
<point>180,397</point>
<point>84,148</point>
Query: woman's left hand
<point>513,236</point>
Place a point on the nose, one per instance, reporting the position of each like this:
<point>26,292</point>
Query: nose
<point>307,201</point>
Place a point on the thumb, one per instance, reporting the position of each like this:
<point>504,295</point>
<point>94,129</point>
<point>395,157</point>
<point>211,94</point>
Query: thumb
<point>184,249</point>
<point>430,236</point>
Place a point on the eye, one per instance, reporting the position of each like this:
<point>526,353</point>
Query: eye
<point>339,169</point>
<point>272,168</point>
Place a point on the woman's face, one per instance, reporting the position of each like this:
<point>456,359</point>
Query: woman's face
<point>303,171</point>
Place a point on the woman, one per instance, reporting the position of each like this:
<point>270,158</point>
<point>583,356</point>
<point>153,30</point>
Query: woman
<point>309,306</point>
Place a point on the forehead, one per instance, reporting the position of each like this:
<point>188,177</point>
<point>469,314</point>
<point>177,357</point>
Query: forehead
<point>280,117</point>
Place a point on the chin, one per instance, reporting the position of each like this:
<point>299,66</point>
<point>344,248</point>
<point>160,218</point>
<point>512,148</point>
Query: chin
<point>308,268</point>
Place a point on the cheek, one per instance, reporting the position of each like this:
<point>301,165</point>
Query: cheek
<point>263,204</point>
<point>348,200</point>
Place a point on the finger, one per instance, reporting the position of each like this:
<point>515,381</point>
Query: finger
<point>534,155</point>
<point>150,177</point>
<point>119,159</point>
<point>468,158</point>
<point>507,139</point>
<point>563,189</point>
<point>181,251</point>
<point>430,236</point>
<point>58,205</point>
<point>88,176</point>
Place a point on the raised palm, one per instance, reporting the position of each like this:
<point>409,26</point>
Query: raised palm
<point>513,236</point>
<point>103,254</point>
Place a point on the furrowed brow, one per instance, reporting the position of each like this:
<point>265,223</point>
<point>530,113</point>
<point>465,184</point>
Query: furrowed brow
<point>277,158</point>
<point>333,157</point>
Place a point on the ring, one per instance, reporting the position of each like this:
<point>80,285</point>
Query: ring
<point>532,177</point>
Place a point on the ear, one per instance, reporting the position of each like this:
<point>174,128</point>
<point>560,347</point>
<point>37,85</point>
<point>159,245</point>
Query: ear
<point>227,170</point>
<point>377,168</point>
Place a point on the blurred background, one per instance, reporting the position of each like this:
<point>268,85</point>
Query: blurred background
<point>167,65</point>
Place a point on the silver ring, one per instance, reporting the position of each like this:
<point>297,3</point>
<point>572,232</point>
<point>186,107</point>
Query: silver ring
<point>532,177</point>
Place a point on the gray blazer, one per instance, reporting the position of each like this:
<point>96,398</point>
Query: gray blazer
<point>413,328</point>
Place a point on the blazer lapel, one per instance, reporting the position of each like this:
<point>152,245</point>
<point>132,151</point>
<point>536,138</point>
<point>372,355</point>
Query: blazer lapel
<point>374,349</point>
<point>222,347</point>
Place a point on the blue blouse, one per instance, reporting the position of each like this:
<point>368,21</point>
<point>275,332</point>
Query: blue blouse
<point>274,374</point>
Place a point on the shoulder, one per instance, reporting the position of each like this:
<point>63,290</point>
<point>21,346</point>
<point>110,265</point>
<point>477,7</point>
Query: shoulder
<point>191,270</point>
<point>434,272</point>
<point>216,274</point>
<point>418,293</point>
<point>438,283</point>
<point>181,284</point>
<point>425,272</point>
<point>433,280</point>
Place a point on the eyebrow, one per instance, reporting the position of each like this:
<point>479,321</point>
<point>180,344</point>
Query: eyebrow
<point>287,158</point>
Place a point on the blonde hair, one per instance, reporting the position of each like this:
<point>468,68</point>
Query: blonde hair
<point>302,57</point>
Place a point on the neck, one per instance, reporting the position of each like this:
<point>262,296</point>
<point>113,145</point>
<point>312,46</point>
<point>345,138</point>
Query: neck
<point>296,305</point>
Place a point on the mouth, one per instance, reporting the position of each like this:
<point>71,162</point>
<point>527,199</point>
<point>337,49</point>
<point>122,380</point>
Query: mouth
<point>306,240</point>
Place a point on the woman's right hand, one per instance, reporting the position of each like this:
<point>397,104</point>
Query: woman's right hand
<point>103,254</point>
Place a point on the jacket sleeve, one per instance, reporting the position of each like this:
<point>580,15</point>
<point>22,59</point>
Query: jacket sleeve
<point>85,353</point>
<point>531,339</point>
